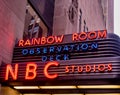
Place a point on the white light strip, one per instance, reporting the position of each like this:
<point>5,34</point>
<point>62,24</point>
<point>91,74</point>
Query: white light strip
<point>91,94</point>
<point>57,87</point>
<point>99,86</point>
<point>77,94</point>
<point>70,87</point>
<point>117,17</point>
<point>105,94</point>
<point>36,94</point>
<point>26,87</point>
<point>68,94</point>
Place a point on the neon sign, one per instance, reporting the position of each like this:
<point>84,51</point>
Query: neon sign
<point>88,68</point>
<point>42,41</point>
<point>46,73</point>
<point>91,58</point>
<point>82,36</point>
<point>58,51</point>
<point>32,71</point>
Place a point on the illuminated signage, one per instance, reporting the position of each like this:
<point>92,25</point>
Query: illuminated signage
<point>85,55</point>
<point>32,70</point>
<point>82,36</point>
<point>59,52</point>
<point>57,48</point>
<point>88,68</point>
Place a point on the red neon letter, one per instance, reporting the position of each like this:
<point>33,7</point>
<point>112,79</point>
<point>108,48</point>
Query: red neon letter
<point>75,37</point>
<point>83,36</point>
<point>109,67</point>
<point>46,70</point>
<point>59,39</point>
<point>101,67</point>
<point>27,43</point>
<point>21,43</point>
<point>36,41</point>
<point>43,40</point>
<point>67,69</point>
<point>102,34</point>
<point>31,69</point>
<point>92,35</point>
<point>80,69</point>
<point>50,40</point>
<point>88,68</point>
<point>73,68</point>
<point>13,73</point>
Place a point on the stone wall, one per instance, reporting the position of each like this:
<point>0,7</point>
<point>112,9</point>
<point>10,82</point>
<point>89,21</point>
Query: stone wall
<point>12,15</point>
<point>92,14</point>
<point>8,91</point>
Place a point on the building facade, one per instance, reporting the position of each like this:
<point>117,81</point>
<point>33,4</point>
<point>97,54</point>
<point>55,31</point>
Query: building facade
<point>77,15</point>
<point>30,19</point>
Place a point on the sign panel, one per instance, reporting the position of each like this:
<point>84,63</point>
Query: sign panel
<point>105,68</point>
<point>85,55</point>
<point>56,48</point>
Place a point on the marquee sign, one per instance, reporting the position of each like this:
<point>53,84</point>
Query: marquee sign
<point>85,55</point>
<point>71,69</point>
<point>82,36</point>
<point>58,47</point>
<point>31,70</point>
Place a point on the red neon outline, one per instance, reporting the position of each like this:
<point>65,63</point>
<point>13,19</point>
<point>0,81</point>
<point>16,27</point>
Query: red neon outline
<point>47,67</point>
<point>14,73</point>
<point>33,70</point>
